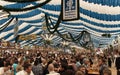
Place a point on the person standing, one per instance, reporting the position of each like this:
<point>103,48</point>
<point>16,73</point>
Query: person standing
<point>102,65</point>
<point>27,70</point>
<point>109,61</point>
<point>37,67</point>
<point>117,64</point>
<point>51,70</point>
<point>6,69</point>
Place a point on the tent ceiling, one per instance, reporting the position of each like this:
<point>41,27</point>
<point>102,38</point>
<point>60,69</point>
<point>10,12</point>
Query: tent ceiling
<point>96,16</point>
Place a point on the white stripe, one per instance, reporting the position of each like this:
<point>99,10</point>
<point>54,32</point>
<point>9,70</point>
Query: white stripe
<point>4,3</point>
<point>22,42</point>
<point>98,33</point>
<point>49,11</point>
<point>2,34</point>
<point>98,21</point>
<point>93,32</point>
<point>40,1</point>
<point>35,24</point>
<point>91,19</point>
<point>55,2</point>
<point>36,32</point>
<point>28,30</point>
<point>99,28</point>
<point>66,25</point>
<point>23,12</point>
<point>36,17</point>
<point>10,38</point>
<point>23,25</point>
<point>7,22</point>
<point>100,8</point>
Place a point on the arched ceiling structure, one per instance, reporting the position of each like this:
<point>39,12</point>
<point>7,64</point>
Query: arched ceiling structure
<point>96,16</point>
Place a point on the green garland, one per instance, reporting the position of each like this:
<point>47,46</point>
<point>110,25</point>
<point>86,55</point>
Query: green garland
<point>51,23</point>
<point>63,37</point>
<point>71,39</point>
<point>106,35</point>
<point>55,26</point>
<point>24,9</point>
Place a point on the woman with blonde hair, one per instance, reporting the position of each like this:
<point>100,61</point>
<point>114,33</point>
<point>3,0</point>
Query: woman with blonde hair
<point>20,65</point>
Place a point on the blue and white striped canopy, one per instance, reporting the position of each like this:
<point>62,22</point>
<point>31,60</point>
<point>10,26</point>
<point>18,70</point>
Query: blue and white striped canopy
<point>96,16</point>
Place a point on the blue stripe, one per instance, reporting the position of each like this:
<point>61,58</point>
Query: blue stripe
<point>8,28</point>
<point>104,17</point>
<point>12,40</point>
<point>32,31</point>
<point>33,21</point>
<point>93,23</point>
<point>7,36</point>
<point>17,5</point>
<point>29,14</point>
<point>103,31</point>
<point>100,24</point>
<point>105,2</point>
<point>4,20</point>
<point>52,7</point>
<point>96,15</point>
<point>70,24</point>
<point>24,29</point>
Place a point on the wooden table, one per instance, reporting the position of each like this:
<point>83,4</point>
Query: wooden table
<point>93,73</point>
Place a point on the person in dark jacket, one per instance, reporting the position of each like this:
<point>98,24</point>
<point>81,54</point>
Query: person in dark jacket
<point>37,67</point>
<point>102,65</point>
<point>117,64</point>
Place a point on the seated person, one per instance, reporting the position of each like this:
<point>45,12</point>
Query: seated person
<point>106,71</point>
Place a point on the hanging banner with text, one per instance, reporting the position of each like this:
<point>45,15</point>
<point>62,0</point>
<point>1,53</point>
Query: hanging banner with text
<point>70,10</point>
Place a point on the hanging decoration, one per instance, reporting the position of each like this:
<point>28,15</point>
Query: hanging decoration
<point>54,27</point>
<point>47,39</point>
<point>83,39</point>
<point>106,35</point>
<point>44,26</point>
<point>16,28</point>
<point>27,37</point>
<point>70,10</point>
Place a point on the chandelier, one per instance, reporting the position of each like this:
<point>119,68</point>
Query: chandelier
<point>47,36</point>
<point>65,43</point>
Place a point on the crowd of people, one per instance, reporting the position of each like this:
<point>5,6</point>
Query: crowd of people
<point>55,63</point>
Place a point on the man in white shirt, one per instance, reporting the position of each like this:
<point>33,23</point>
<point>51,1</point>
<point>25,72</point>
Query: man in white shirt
<point>51,70</point>
<point>27,70</point>
<point>5,70</point>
